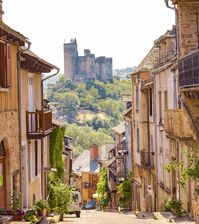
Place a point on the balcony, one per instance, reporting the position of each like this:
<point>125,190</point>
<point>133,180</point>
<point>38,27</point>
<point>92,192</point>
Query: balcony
<point>39,124</point>
<point>164,59</point>
<point>176,124</point>
<point>147,159</point>
<point>188,67</point>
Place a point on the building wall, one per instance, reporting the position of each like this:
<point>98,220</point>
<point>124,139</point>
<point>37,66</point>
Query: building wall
<point>9,129</point>
<point>31,185</point>
<point>187,22</point>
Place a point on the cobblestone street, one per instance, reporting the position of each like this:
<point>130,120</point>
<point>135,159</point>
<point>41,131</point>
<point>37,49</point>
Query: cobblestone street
<point>98,217</point>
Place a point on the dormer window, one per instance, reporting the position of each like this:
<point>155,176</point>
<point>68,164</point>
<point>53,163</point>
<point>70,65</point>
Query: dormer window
<point>5,65</point>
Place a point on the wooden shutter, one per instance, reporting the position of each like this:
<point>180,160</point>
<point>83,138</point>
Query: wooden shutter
<point>3,65</point>
<point>9,75</point>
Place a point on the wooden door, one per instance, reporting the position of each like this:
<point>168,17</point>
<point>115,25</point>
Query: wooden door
<point>2,183</point>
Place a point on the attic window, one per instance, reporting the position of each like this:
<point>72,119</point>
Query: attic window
<point>5,65</point>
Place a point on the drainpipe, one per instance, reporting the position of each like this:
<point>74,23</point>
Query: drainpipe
<point>42,140</point>
<point>176,23</point>
<point>19,106</point>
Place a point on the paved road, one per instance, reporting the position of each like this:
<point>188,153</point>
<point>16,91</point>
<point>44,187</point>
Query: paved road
<point>98,217</point>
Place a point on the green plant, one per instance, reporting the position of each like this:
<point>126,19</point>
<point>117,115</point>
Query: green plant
<point>60,195</point>
<point>16,201</point>
<point>56,150</point>
<point>30,216</point>
<point>175,206</point>
<point>41,204</point>
<point>125,193</point>
<point>102,187</point>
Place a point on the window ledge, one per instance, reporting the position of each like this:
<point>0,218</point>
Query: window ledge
<point>4,89</point>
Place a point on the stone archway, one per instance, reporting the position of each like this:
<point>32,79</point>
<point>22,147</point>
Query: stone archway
<point>2,175</point>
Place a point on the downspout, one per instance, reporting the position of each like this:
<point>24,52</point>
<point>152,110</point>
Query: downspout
<point>176,23</point>
<point>156,148</point>
<point>42,140</point>
<point>19,107</point>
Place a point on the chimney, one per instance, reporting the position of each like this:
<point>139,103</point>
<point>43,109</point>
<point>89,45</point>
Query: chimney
<point>1,11</point>
<point>93,152</point>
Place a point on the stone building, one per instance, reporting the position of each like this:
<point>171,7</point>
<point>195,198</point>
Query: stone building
<point>85,67</point>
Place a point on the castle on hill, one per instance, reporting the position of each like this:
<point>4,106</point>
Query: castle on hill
<point>81,68</point>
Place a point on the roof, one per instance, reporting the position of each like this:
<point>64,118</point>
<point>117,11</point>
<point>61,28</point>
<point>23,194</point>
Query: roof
<point>13,35</point>
<point>147,63</point>
<point>169,34</point>
<point>120,129</point>
<point>84,164</point>
<point>34,63</point>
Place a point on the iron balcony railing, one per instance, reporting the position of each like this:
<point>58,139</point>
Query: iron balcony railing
<point>147,159</point>
<point>38,123</point>
<point>160,61</point>
<point>188,67</point>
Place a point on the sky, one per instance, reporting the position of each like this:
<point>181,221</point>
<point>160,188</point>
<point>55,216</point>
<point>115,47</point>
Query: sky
<point>121,29</point>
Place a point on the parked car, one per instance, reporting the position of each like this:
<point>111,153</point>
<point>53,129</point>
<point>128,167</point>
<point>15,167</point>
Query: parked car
<point>75,206</point>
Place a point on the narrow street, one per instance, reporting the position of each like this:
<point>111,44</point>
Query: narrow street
<point>98,217</point>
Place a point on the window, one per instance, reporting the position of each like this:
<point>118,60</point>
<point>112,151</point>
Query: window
<point>165,100</point>
<point>137,98</point>
<point>5,65</point>
<point>138,140</point>
<point>150,102</point>
<point>160,107</point>
<point>36,159</point>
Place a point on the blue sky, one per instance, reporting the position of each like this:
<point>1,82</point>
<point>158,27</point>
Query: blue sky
<point>121,29</point>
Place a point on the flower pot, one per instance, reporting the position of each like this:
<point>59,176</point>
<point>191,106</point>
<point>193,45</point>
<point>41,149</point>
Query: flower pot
<point>17,217</point>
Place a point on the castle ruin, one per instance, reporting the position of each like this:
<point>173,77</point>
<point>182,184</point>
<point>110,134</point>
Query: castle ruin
<point>81,68</point>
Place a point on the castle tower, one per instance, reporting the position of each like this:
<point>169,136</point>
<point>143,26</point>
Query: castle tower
<point>70,59</point>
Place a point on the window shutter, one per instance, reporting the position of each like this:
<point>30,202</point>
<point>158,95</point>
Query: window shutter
<point>9,75</point>
<point>3,65</point>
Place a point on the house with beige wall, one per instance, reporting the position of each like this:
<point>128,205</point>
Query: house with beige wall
<point>36,125</point>
<point>11,42</point>
<point>143,129</point>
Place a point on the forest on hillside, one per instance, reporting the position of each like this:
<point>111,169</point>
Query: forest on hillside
<point>89,109</point>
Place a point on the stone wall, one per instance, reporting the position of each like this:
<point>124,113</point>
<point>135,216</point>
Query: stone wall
<point>10,137</point>
<point>187,22</point>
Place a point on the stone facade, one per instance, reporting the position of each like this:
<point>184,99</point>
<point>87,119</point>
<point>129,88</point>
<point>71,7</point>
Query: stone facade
<point>85,67</point>
<point>188,21</point>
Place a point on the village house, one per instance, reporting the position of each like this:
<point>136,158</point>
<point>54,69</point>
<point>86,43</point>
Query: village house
<point>143,134</point>
<point>10,142</point>
<point>25,122</point>
<point>183,124</point>
<point>86,168</point>
<point>166,98</point>
<point>36,125</point>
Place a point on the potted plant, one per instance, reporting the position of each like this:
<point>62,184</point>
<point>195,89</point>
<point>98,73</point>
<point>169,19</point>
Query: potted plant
<point>41,207</point>
<point>16,206</point>
<point>30,216</point>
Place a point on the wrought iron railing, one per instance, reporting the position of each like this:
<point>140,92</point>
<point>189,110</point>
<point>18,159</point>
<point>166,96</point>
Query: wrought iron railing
<point>188,67</point>
<point>160,61</point>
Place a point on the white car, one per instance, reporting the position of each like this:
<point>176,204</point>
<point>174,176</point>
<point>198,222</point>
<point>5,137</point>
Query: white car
<point>75,206</point>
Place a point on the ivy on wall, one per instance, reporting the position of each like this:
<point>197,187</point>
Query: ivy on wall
<point>56,150</point>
